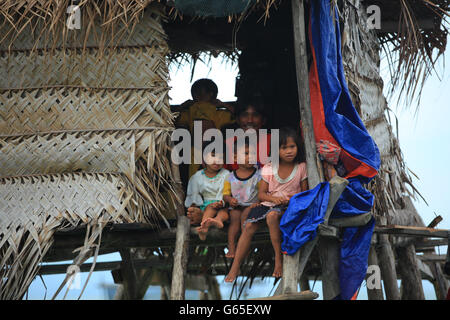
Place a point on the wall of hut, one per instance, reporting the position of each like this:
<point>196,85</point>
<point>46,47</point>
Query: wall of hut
<point>84,137</point>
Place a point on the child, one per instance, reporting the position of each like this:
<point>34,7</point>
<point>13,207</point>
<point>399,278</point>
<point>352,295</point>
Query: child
<point>240,192</point>
<point>279,183</point>
<point>204,107</point>
<point>250,114</point>
<point>204,195</point>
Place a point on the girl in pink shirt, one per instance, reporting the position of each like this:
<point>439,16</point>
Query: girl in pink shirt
<point>279,183</point>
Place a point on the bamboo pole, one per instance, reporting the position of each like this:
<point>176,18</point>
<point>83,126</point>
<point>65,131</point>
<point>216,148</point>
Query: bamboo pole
<point>387,267</point>
<point>291,263</point>
<point>411,285</point>
<point>181,253</point>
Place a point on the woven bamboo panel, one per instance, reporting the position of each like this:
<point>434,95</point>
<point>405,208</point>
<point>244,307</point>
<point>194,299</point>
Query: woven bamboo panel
<point>148,31</point>
<point>122,68</point>
<point>42,110</point>
<point>32,208</point>
<point>68,152</point>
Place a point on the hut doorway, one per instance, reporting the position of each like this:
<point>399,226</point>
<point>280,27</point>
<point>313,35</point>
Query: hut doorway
<point>261,50</point>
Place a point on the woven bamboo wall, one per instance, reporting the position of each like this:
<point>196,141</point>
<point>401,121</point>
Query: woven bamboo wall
<point>84,139</point>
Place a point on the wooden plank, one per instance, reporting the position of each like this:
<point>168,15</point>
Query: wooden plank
<point>432,257</point>
<point>303,295</point>
<point>181,253</point>
<point>412,231</point>
<point>435,222</point>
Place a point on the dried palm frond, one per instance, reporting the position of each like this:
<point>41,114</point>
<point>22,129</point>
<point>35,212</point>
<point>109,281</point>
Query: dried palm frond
<point>412,52</point>
<point>34,207</point>
<point>84,140</point>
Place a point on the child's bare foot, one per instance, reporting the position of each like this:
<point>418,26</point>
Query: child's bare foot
<point>210,222</point>
<point>231,276</point>
<point>202,232</point>
<point>230,254</point>
<point>194,214</point>
<point>278,270</point>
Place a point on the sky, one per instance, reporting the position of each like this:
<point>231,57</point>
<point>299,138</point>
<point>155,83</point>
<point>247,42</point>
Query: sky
<point>424,140</point>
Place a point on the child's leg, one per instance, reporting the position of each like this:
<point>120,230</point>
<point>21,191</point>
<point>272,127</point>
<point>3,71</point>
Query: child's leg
<point>273,222</point>
<point>217,221</point>
<point>233,230</point>
<point>242,249</point>
<point>244,216</point>
<point>207,214</point>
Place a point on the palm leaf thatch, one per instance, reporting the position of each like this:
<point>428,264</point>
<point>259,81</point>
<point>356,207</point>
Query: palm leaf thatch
<point>84,140</point>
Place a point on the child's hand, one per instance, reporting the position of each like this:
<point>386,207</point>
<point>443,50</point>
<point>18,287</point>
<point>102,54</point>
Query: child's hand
<point>233,202</point>
<point>216,205</point>
<point>254,205</point>
<point>277,200</point>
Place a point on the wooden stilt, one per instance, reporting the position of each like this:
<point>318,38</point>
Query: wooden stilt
<point>440,283</point>
<point>304,282</point>
<point>180,258</point>
<point>412,288</point>
<point>387,265</point>
<point>376,292</point>
<point>181,253</point>
<point>129,277</point>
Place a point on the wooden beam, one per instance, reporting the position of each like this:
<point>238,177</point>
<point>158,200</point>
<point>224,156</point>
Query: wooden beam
<point>435,222</point>
<point>412,231</point>
<point>432,257</point>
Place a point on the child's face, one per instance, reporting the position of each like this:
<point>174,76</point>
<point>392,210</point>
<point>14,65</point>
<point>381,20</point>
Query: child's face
<point>214,161</point>
<point>245,157</point>
<point>250,119</point>
<point>288,151</point>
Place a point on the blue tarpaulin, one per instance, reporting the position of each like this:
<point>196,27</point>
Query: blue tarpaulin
<point>336,120</point>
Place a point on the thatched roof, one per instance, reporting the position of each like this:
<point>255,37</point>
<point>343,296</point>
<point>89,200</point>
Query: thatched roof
<point>413,33</point>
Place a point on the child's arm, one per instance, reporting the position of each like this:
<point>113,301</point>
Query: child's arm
<point>304,184</point>
<point>227,197</point>
<point>264,196</point>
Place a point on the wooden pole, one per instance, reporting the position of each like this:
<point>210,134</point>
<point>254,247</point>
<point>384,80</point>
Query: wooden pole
<point>387,265</point>
<point>440,283</point>
<point>412,288</point>
<point>181,253</point>
<point>291,263</point>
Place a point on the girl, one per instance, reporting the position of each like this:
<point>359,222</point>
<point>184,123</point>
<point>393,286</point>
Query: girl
<point>279,183</point>
<point>205,190</point>
<point>240,192</point>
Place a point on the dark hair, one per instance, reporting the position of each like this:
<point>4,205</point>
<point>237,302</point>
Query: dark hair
<point>256,102</point>
<point>204,84</point>
<point>288,132</point>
